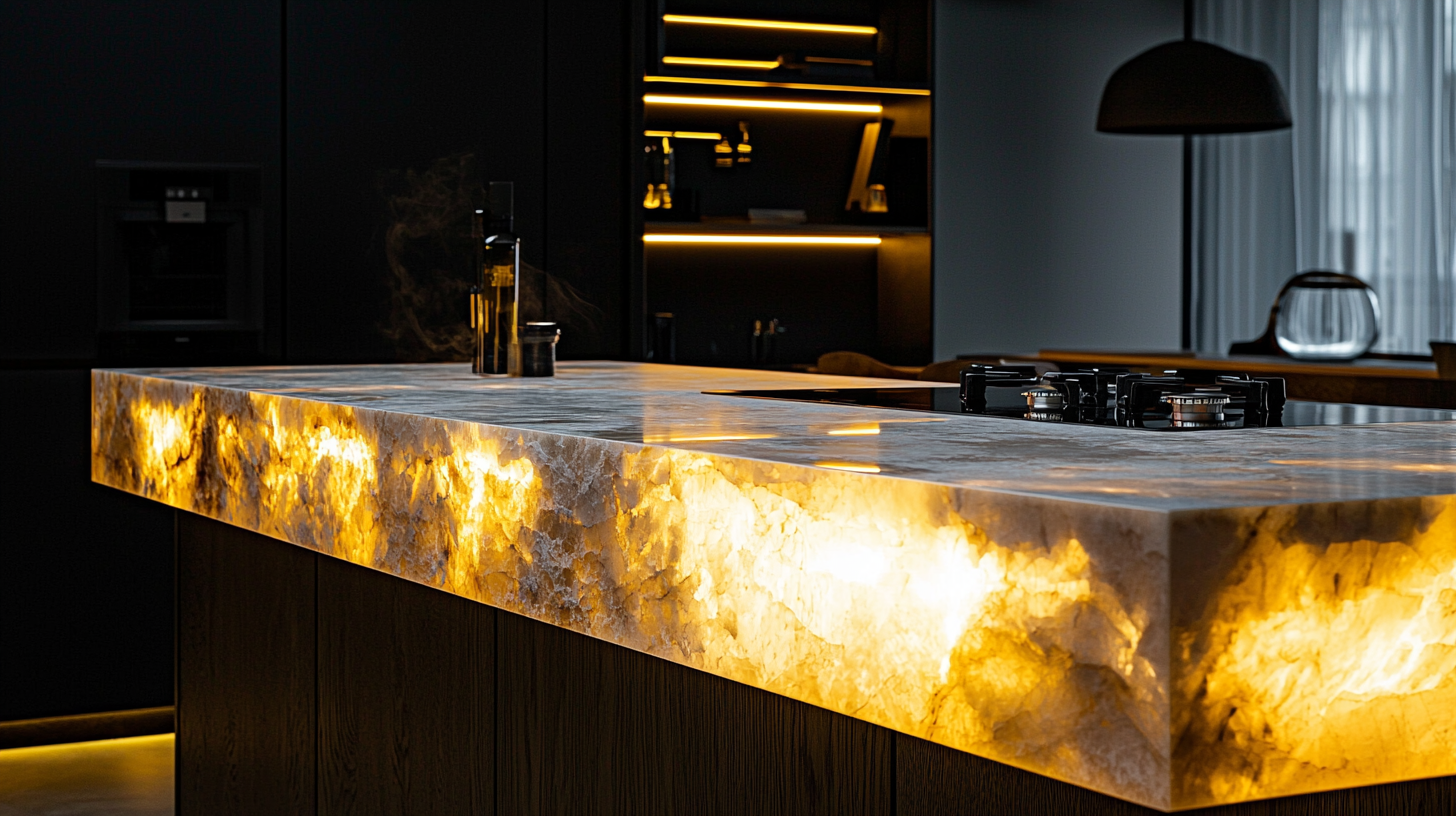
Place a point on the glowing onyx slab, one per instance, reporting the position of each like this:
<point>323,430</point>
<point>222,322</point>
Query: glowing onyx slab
<point>1178,621</point>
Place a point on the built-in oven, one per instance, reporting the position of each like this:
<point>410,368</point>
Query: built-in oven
<point>180,263</point>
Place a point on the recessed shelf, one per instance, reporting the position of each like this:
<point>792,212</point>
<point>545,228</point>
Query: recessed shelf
<point>763,104</point>
<point>780,25</point>
<point>745,226</point>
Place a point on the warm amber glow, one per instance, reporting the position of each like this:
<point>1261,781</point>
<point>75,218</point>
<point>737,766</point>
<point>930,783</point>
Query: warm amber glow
<point>130,774</point>
<point>822,240</point>
<point>856,467</point>
<point>682,134</point>
<point>1325,665</point>
<point>797,86</point>
<point>710,62</point>
<point>867,429</point>
<point>770,104</point>
<point>826,28</point>
<point>1369,464</point>
<point>655,439</point>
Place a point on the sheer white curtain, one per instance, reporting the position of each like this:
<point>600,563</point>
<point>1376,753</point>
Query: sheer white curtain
<point>1364,181</point>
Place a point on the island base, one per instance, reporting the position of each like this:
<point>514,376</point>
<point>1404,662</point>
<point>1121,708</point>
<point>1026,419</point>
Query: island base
<point>310,685</point>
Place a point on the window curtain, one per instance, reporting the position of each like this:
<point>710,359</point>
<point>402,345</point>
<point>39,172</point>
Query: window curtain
<point>1363,182</point>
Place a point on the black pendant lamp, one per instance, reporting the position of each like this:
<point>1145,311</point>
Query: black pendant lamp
<point>1187,87</point>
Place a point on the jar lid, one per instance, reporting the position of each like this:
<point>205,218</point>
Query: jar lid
<point>542,329</point>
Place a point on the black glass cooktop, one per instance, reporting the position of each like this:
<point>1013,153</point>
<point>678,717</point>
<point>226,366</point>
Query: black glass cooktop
<point>1010,404</point>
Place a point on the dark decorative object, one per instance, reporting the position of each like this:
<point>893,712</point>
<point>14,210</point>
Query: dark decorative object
<point>664,338</point>
<point>1444,353</point>
<point>1189,87</point>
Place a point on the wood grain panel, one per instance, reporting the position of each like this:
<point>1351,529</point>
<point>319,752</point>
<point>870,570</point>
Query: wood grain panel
<point>938,781</point>
<point>589,727</point>
<point>245,672</point>
<point>406,697</point>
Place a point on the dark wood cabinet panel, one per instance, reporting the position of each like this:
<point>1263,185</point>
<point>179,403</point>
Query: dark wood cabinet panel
<point>308,685</point>
<point>406,697</point>
<point>245,672</point>
<point>589,727</point>
<point>934,780</point>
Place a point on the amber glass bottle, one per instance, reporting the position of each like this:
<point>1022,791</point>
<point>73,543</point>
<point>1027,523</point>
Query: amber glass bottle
<point>495,298</point>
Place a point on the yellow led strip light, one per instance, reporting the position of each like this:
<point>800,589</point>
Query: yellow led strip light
<point>826,28</point>
<point>682,134</point>
<point>700,238</point>
<point>770,104</point>
<point>855,467</point>
<point>710,62</point>
<point>797,86</point>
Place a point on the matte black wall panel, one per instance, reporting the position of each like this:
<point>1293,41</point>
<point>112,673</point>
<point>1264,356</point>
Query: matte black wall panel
<point>140,80</point>
<point>85,571</point>
<point>587,110</point>
<point>391,86</point>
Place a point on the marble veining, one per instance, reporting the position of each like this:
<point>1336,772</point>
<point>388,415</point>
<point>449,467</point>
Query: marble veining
<point>1175,620</point>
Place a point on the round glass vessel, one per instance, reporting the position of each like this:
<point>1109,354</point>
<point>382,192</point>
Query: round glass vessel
<point>1326,316</point>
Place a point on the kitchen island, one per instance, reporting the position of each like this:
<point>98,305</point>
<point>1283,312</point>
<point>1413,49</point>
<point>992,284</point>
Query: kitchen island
<point>1176,620</point>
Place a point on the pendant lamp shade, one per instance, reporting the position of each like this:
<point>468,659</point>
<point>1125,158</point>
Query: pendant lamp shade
<point>1188,86</point>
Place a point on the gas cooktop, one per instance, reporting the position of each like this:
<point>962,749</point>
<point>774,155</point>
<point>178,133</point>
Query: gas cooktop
<point>1169,402</point>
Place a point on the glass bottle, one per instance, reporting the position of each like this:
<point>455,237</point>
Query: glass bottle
<point>496,295</point>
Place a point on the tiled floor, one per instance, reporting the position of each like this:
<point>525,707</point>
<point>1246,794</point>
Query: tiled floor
<point>127,777</point>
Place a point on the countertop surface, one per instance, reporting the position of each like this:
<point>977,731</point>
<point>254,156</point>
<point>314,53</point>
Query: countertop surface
<point>663,406</point>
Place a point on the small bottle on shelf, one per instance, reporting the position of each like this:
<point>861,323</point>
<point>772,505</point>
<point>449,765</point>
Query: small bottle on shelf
<point>723,155</point>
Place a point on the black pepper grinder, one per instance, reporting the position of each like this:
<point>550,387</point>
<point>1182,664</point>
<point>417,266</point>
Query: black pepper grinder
<point>538,349</point>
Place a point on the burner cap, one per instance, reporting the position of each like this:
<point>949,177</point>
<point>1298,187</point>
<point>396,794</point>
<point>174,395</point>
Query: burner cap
<point>1201,406</point>
<point>1044,398</point>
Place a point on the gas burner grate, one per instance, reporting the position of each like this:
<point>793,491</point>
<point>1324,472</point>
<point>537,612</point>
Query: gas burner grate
<point>1167,401</point>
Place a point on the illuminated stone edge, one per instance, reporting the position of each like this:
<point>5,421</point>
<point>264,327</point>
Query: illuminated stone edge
<point>1031,631</point>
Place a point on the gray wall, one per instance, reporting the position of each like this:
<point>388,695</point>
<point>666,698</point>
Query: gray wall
<point>1047,233</point>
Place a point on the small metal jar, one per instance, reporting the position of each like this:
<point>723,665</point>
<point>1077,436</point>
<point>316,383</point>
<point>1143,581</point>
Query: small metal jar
<point>538,349</point>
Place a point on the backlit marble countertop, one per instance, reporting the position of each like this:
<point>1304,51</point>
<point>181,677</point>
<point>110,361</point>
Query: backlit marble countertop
<point>1179,620</point>
<point>663,405</point>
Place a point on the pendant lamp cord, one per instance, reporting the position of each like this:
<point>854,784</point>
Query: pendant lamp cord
<point>1186,330</point>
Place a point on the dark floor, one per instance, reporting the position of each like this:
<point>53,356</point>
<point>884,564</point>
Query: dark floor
<point>126,777</point>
